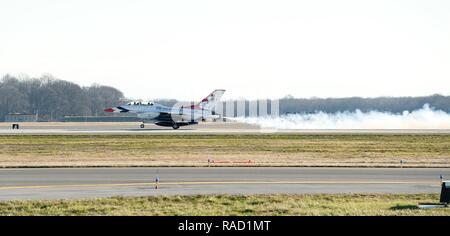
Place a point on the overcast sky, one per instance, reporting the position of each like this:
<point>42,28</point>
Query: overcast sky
<point>254,49</point>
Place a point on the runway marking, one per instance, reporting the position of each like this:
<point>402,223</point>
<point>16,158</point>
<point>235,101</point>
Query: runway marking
<point>216,182</point>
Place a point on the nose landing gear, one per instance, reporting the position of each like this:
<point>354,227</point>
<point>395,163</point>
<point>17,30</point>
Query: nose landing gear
<point>142,126</point>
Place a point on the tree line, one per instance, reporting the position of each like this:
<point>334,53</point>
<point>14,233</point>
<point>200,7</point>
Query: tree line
<point>53,98</point>
<point>384,104</point>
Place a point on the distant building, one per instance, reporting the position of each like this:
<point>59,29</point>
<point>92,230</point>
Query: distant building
<point>19,117</point>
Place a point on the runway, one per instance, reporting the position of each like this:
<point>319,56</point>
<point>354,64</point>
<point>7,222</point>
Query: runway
<point>80,183</point>
<point>122,128</point>
<point>132,128</point>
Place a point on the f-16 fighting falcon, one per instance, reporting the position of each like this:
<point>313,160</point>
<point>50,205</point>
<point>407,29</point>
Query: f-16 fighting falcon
<point>175,116</point>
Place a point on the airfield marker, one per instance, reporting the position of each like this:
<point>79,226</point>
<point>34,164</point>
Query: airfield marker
<point>156,182</point>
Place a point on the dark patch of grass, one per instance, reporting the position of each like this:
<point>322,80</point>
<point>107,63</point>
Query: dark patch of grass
<point>404,207</point>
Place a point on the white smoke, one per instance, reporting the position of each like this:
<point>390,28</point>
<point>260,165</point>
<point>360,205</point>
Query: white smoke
<point>424,118</point>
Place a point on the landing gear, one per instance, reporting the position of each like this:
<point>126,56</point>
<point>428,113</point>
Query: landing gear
<point>142,126</point>
<point>175,125</point>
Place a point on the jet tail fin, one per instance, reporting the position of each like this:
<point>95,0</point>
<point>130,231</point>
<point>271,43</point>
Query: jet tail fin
<point>212,99</point>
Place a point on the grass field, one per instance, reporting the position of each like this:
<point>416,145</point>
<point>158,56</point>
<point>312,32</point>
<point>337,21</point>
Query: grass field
<point>195,150</point>
<point>318,204</point>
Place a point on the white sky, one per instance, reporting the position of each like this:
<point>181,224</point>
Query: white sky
<point>253,49</point>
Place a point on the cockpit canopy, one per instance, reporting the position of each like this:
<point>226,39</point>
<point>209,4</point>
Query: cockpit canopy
<point>139,103</point>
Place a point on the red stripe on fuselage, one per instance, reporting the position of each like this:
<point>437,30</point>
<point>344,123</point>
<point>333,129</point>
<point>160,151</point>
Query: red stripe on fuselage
<point>196,107</point>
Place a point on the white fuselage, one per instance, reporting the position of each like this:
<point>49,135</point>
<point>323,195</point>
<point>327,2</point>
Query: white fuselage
<point>153,111</point>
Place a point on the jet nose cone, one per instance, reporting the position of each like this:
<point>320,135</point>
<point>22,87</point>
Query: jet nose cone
<point>109,110</point>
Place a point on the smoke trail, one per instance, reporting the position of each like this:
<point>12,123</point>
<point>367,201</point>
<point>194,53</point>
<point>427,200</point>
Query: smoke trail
<point>425,118</point>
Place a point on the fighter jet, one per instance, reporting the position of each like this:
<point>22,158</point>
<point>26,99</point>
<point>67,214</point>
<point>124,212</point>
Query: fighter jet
<point>176,116</point>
